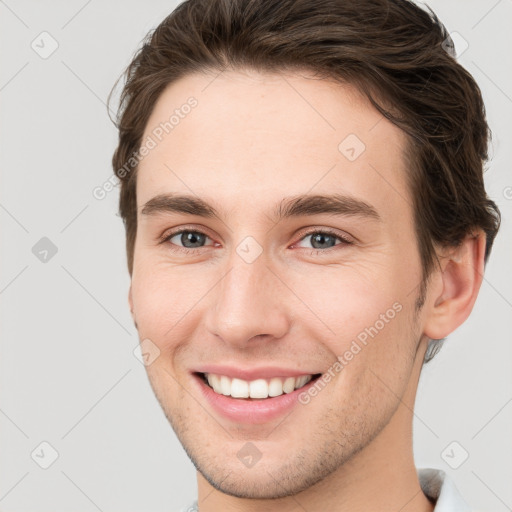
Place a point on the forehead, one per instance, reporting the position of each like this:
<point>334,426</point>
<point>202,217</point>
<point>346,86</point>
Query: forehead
<point>242,134</point>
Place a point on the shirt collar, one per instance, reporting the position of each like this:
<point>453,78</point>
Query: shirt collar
<point>440,489</point>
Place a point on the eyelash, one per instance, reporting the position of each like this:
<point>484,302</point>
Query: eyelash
<point>187,250</point>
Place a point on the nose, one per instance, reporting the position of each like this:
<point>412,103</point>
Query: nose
<point>248,302</point>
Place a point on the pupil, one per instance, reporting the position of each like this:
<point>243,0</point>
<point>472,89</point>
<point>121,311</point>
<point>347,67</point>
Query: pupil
<point>196,239</point>
<point>321,238</point>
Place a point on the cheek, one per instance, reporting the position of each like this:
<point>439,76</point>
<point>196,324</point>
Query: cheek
<point>345,302</point>
<point>167,302</point>
<point>363,320</point>
<point>167,308</point>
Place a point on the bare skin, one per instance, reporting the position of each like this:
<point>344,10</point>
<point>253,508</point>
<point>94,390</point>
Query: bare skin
<point>253,140</point>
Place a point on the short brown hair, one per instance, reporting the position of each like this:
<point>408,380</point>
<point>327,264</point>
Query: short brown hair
<point>397,54</point>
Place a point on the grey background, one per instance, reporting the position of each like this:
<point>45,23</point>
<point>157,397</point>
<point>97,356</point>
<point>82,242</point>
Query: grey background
<point>68,374</point>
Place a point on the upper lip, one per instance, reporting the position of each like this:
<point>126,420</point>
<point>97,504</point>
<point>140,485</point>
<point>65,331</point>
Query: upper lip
<point>249,374</point>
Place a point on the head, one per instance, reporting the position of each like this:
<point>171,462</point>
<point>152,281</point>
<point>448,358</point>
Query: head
<point>254,110</point>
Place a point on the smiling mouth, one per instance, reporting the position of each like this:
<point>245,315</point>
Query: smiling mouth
<point>258,389</point>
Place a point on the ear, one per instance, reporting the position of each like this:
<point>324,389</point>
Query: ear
<point>130,302</point>
<point>461,275</point>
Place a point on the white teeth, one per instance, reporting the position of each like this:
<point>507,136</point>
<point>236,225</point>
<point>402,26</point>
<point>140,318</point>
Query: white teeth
<point>239,388</point>
<point>275,387</point>
<point>259,388</point>
<point>289,385</point>
<point>225,385</point>
<point>302,381</point>
<point>213,380</point>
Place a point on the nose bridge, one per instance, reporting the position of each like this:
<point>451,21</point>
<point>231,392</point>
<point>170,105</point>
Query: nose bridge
<point>247,302</point>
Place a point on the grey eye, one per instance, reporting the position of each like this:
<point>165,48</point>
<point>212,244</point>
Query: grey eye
<point>189,239</point>
<point>322,240</point>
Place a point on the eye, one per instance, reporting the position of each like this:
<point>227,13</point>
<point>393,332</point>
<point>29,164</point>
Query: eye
<point>322,239</point>
<point>189,240</point>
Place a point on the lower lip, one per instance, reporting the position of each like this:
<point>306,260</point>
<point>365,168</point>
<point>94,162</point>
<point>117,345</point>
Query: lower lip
<point>251,411</point>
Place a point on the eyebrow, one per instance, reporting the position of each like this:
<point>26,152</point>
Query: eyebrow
<point>295,206</point>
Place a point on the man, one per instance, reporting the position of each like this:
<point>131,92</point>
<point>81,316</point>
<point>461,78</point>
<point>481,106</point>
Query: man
<point>306,220</point>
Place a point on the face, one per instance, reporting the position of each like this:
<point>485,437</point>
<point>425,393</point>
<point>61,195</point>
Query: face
<point>262,284</point>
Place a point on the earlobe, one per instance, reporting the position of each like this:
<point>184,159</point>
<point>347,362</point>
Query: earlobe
<point>461,274</point>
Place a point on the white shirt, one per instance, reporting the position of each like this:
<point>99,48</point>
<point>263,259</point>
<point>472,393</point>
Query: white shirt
<point>439,487</point>
<point>434,483</point>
